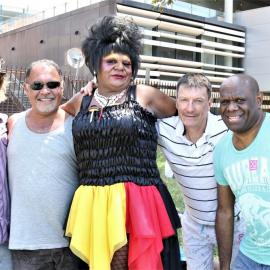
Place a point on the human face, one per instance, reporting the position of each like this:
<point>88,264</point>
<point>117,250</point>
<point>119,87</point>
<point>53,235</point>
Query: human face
<point>193,106</point>
<point>239,105</point>
<point>115,73</point>
<point>44,101</point>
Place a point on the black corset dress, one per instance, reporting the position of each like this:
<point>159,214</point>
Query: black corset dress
<point>121,196</point>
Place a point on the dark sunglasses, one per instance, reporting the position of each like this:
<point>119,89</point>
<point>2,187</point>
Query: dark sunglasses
<point>39,85</point>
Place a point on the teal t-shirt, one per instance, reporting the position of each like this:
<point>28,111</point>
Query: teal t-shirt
<point>248,174</point>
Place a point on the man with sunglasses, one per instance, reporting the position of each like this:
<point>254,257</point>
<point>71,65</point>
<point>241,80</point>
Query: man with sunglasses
<point>42,174</point>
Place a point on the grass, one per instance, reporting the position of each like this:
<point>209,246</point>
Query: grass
<point>171,183</point>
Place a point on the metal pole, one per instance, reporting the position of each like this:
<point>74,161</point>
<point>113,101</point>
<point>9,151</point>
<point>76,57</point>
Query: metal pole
<point>228,11</point>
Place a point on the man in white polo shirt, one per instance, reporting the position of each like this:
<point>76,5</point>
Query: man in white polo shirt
<point>188,141</point>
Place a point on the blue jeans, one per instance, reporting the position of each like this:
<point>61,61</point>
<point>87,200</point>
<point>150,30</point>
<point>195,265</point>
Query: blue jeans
<point>242,262</point>
<point>5,258</point>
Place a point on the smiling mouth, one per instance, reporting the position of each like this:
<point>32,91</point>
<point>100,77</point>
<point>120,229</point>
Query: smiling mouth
<point>235,118</point>
<point>45,99</point>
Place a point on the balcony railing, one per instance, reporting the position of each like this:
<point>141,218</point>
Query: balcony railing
<point>28,17</point>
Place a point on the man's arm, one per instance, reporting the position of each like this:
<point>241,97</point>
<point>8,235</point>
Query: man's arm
<point>225,225</point>
<point>11,122</point>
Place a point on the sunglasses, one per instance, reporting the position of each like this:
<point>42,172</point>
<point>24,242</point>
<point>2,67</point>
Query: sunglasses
<point>39,85</point>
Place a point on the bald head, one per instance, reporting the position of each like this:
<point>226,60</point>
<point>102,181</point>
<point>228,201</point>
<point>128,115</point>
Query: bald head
<point>240,103</point>
<point>240,81</point>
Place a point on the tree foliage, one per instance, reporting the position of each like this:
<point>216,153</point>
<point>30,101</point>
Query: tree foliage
<point>162,3</point>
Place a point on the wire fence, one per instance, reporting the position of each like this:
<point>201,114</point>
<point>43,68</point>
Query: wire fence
<point>13,98</point>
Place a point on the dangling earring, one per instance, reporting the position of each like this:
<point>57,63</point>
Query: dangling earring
<point>95,78</point>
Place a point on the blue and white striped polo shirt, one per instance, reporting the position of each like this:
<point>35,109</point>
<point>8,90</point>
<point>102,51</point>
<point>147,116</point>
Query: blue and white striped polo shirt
<point>192,164</point>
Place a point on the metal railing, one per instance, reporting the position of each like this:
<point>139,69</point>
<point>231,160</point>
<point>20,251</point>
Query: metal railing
<point>28,18</point>
<point>13,99</point>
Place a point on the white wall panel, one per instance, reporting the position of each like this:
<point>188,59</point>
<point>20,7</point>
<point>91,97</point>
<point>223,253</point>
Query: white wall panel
<point>257,60</point>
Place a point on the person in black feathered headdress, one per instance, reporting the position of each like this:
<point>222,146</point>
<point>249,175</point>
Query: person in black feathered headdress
<point>122,215</point>
<point>112,34</point>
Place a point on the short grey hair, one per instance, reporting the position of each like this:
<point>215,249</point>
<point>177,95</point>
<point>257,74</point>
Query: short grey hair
<point>47,62</point>
<point>195,80</point>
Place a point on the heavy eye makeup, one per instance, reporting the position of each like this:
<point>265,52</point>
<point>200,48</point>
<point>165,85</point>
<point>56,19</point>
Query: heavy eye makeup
<point>111,62</point>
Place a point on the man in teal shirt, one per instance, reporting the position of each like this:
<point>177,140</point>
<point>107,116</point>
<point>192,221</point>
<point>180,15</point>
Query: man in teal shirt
<point>242,169</point>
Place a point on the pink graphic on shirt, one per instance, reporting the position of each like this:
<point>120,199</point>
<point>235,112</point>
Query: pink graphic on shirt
<point>253,165</point>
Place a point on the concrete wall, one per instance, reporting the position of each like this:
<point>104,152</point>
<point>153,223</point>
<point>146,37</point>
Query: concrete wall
<point>257,60</point>
<point>210,43</point>
<point>58,35</point>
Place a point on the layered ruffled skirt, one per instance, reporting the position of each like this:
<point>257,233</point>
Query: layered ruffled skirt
<point>103,219</point>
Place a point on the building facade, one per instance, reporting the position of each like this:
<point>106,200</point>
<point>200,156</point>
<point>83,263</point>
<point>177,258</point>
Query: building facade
<point>174,42</point>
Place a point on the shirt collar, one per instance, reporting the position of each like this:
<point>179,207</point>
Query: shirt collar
<point>209,130</point>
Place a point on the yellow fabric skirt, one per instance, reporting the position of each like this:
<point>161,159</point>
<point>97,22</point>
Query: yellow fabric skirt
<point>106,206</point>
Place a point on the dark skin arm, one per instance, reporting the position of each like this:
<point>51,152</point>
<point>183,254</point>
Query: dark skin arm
<point>72,106</point>
<point>156,101</point>
<point>149,97</point>
<point>225,225</point>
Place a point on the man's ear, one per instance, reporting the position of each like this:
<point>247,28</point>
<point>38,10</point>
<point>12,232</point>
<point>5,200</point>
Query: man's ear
<point>176,104</point>
<point>25,89</point>
<point>62,86</point>
<point>210,102</point>
<point>259,98</point>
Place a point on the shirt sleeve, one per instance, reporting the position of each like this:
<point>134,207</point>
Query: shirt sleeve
<point>158,123</point>
<point>219,163</point>
<point>3,123</point>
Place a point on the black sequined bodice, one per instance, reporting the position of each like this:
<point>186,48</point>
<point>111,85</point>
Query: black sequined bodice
<point>119,146</point>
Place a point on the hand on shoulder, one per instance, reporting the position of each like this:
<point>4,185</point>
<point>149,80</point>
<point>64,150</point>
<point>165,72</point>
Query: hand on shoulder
<point>73,105</point>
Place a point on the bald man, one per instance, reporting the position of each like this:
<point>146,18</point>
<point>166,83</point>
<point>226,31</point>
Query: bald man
<point>242,170</point>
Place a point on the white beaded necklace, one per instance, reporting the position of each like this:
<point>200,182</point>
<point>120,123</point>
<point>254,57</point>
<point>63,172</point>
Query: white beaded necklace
<point>108,101</point>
